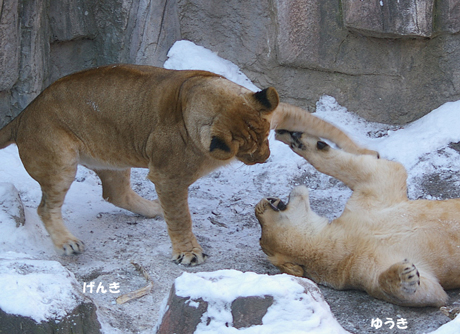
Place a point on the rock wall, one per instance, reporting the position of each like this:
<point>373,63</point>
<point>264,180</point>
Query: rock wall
<point>43,40</point>
<point>389,61</point>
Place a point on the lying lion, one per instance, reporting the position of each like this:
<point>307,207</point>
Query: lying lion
<point>179,124</point>
<point>405,252</point>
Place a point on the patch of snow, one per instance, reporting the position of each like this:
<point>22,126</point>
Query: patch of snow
<point>186,55</point>
<point>405,144</point>
<point>452,327</point>
<point>30,238</point>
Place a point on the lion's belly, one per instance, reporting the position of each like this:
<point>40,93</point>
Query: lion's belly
<point>111,162</point>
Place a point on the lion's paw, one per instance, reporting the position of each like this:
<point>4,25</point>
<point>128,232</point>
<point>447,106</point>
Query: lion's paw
<point>410,277</point>
<point>72,246</point>
<point>365,151</point>
<point>193,258</point>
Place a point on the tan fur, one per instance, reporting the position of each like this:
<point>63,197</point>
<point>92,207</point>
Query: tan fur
<point>179,124</point>
<point>398,250</point>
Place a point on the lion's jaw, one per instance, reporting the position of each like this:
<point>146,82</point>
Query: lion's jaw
<point>295,219</point>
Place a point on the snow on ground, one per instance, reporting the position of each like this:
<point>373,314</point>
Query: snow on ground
<point>404,144</point>
<point>221,204</point>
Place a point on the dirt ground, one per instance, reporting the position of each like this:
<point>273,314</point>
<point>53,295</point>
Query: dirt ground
<point>222,208</point>
<point>229,232</point>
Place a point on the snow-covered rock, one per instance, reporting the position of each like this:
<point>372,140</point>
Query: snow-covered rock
<point>217,302</point>
<point>40,295</point>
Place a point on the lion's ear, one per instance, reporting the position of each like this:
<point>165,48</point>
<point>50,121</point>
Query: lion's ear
<point>219,144</point>
<point>266,100</point>
<point>222,149</point>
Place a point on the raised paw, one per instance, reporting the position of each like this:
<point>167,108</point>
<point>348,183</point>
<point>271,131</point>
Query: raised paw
<point>409,276</point>
<point>402,284</point>
<point>193,258</point>
<point>297,141</point>
<point>365,151</point>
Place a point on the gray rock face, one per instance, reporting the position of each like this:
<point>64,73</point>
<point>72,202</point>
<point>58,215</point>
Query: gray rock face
<point>9,44</point>
<point>389,61</point>
<point>43,40</point>
<point>447,16</point>
<point>393,19</point>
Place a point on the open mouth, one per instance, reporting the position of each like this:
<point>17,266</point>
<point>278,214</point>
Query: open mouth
<point>276,204</point>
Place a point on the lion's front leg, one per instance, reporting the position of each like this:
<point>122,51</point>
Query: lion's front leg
<point>174,202</point>
<point>292,118</point>
<point>349,168</point>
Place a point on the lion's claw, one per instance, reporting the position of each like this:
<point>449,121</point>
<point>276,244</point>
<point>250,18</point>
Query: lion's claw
<point>73,247</point>
<point>189,258</point>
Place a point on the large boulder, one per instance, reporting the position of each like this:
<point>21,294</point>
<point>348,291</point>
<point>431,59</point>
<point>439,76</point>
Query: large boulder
<point>39,296</point>
<point>218,300</point>
<point>82,319</point>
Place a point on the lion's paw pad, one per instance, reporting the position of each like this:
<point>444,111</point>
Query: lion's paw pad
<point>410,277</point>
<point>73,247</point>
<point>189,258</point>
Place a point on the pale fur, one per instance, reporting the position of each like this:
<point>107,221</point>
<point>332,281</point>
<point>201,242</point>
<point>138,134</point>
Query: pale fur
<point>179,124</point>
<point>402,251</point>
<point>287,116</point>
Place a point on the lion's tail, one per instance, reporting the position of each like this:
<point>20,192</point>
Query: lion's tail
<point>8,133</point>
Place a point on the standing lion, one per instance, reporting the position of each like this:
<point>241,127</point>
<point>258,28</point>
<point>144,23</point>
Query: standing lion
<point>180,125</point>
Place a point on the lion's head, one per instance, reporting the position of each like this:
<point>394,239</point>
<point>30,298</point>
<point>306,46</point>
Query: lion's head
<point>284,225</point>
<point>230,120</point>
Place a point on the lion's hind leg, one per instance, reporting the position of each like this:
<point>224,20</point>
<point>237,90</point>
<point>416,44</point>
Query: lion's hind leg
<point>116,189</point>
<point>54,168</point>
<point>403,284</point>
